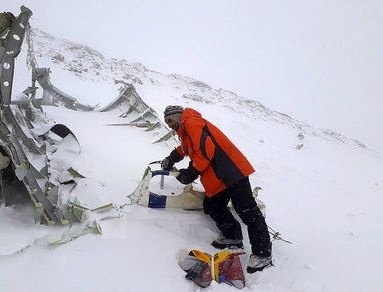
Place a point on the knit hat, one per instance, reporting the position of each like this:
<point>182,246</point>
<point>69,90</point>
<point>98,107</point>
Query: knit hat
<point>172,110</point>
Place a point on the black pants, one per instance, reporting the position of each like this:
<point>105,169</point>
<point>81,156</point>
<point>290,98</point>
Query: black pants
<point>245,206</point>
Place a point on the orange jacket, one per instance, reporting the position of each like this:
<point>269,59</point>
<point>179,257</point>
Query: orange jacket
<point>217,159</point>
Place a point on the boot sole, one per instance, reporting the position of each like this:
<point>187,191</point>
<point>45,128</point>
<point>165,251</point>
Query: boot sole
<point>251,270</point>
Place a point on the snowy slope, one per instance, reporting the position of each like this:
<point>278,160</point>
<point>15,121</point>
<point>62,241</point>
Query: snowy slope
<point>326,198</point>
<point>87,64</point>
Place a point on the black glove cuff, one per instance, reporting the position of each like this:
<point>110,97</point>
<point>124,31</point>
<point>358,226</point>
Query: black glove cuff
<point>193,172</point>
<point>175,156</point>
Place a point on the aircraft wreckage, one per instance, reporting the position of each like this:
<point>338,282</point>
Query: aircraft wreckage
<point>29,143</point>
<point>30,147</point>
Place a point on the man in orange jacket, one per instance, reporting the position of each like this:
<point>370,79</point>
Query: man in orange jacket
<point>224,172</point>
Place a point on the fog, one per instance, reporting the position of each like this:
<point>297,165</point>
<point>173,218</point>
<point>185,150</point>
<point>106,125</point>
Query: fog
<point>317,61</point>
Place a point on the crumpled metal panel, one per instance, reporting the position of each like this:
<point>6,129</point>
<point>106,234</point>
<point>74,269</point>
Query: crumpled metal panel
<point>52,95</point>
<point>27,141</point>
<point>11,50</point>
<point>16,138</point>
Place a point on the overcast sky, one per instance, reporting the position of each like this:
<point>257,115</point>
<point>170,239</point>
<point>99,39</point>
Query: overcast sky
<point>319,61</point>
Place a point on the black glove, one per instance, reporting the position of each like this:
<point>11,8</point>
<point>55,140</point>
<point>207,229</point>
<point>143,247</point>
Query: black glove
<point>187,175</point>
<point>168,162</point>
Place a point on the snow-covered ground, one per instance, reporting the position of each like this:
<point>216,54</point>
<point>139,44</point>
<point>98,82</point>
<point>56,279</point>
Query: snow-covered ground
<point>326,198</point>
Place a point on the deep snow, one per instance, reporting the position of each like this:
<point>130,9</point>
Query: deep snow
<point>326,198</point>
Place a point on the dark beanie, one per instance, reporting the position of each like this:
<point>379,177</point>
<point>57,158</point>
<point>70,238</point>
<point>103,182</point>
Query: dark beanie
<point>172,110</point>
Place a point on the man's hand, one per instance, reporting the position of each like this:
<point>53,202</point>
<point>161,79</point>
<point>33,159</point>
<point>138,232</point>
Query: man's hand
<point>168,162</point>
<point>187,175</point>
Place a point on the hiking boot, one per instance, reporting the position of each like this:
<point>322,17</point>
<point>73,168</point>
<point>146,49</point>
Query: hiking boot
<point>257,263</point>
<point>222,243</point>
